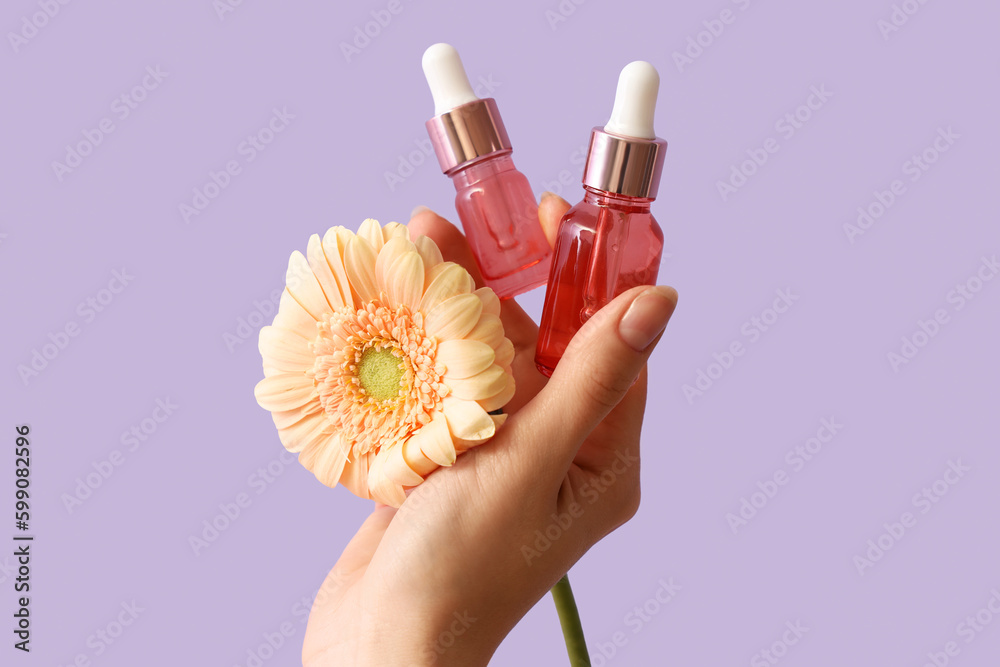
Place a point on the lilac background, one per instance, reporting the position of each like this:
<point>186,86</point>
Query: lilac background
<point>164,335</point>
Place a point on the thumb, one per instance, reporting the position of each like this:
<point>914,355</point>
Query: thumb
<point>599,366</point>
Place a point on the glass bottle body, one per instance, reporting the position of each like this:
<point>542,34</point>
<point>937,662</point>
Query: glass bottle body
<point>606,245</point>
<point>499,215</point>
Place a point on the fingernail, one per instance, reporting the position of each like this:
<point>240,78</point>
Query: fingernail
<point>545,195</point>
<point>418,210</point>
<point>647,316</point>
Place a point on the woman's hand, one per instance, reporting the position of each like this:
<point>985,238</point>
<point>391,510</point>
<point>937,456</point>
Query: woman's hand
<point>443,579</point>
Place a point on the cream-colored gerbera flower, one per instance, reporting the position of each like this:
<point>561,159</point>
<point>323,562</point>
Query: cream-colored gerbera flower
<point>383,361</point>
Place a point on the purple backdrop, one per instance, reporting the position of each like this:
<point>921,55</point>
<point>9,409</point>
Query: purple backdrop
<point>829,204</point>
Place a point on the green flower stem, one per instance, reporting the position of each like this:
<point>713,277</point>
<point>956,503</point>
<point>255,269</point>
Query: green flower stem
<point>569,618</point>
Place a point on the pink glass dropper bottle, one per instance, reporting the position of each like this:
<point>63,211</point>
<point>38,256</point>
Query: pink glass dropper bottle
<point>609,242</point>
<point>494,202</point>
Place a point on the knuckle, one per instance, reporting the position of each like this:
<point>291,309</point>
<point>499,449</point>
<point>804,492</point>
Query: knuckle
<point>625,504</point>
<point>630,505</point>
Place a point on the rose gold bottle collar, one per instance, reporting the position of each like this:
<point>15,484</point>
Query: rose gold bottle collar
<point>624,165</point>
<point>467,132</point>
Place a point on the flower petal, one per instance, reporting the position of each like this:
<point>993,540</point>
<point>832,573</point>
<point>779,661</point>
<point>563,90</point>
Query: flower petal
<point>444,281</point>
<point>489,330</point>
<point>387,256</point>
<point>301,282</point>
<point>479,386</point>
<point>285,349</point>
<point>394,230</point>
<point>399,471</point>
<point>359,260</point>
<point>466,420</point>
<point>314,427</point>
<point>325,457</point>
<point>462,446</point>
<point>286,391</point>
<point>344,236</point>
<point>292,316</point>
<point>355,475</point>
<point>416,460</point>
<point>334,244</point>
<point>383,489</point>
<point>464,358</point>
<point>406,281</point>
<point>430,253</point>
<point>285,418</point>
<point>501,398</point>
<point>454,317</point>
<point>504,354</point>
<point>324,274</point>
<point>434,441</point>
<point>491,302</point>
<point>372,232</point>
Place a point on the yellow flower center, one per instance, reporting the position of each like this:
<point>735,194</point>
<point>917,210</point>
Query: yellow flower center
<point>375,374</point>
<point>380,372</point>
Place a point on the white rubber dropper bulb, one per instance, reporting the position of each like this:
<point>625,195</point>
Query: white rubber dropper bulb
<point>635,101</point>
<point>447,78</point>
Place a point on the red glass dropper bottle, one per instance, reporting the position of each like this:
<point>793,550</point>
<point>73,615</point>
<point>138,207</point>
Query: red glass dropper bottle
<point>609,242</point>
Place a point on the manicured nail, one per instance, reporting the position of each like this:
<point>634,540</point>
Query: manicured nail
<point>546,195</point>
<point>647,316</point>
<point>418,210</point>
